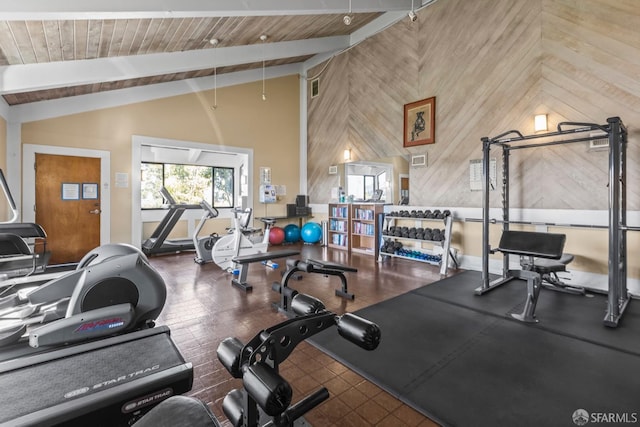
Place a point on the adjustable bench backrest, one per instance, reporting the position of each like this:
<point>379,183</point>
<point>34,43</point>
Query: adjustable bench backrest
<point>530,243</point>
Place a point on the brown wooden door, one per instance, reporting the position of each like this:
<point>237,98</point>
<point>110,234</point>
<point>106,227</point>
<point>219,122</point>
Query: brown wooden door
<point>68,204</point>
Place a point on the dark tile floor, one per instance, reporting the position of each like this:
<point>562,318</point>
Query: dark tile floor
<point>203,308</point>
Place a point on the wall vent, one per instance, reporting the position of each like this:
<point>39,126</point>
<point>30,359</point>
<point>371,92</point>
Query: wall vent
<point>418,160</point>
<point>601,143</point>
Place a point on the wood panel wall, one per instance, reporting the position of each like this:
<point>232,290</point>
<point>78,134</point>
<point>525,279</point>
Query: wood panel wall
<point>492,65</point>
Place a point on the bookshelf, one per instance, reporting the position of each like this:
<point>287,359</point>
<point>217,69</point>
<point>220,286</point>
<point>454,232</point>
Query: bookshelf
<point>339,226</point>
<point>364,227</point>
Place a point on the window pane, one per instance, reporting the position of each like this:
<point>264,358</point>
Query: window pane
<point>369,186</point>
<point>223,188</point>
<point>355,186</point>
<point>187,183</point>
<point>151,183</point>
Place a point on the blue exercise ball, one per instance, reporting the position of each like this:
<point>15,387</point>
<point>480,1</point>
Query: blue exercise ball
<point>291,233</point>
<point>311,232</point>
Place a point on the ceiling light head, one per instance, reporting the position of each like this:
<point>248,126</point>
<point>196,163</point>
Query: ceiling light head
<point>263,37</point>
<point>412,16</point>
<point>214,42</point>
<point>347,18</point>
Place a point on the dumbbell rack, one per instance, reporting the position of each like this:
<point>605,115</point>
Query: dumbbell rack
<point>390,221</point>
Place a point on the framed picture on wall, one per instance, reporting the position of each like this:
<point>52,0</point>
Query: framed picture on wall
<point>420,122</point>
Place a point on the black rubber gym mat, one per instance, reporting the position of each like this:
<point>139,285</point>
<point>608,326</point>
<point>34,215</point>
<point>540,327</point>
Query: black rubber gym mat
<point>572,315</point>
<point>467,367</point>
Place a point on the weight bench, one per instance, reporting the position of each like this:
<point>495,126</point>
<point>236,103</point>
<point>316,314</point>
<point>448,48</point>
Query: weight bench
<point>531,245</point>
<point>243,262</point>
<point>549,269</point>
<point>310,266</point>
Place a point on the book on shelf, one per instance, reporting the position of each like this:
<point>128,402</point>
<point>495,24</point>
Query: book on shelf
<point>366,214</point>
<point>338,225</point>
<point>340,211</point>
<point>339,239</point>
<point>364,228</point>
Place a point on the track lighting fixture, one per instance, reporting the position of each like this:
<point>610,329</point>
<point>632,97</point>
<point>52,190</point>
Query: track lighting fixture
<point>215,42</point>
<point>347,18</point>
<point>412,14</point>
<point>264,39</point>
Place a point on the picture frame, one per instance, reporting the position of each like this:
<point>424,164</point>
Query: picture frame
<point>420,122</point>
<point>90,191</point>
<point>70,191</point>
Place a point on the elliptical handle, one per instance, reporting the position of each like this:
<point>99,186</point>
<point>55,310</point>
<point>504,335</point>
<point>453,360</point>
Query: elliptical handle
<point>360,331</point>
<point>213,212</point>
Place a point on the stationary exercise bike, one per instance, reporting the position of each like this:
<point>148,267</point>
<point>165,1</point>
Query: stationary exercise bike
<point>204,245</point>
<point>113,290</point>
<point>239,242</point>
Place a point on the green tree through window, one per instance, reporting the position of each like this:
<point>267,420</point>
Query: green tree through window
<point>187,184</point>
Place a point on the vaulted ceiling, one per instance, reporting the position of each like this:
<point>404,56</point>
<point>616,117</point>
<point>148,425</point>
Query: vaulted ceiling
<point>51,49</point>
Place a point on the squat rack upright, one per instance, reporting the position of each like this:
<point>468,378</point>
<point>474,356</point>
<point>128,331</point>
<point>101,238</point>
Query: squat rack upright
<point>569,132</point>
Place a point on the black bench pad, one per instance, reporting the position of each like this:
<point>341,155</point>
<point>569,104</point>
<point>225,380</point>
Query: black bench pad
<point>263,256</point>
<point>331,265</point>
<point>530,243</point>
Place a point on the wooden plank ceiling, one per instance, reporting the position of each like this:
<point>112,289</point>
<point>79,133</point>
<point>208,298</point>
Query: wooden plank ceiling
<point>44,41</point>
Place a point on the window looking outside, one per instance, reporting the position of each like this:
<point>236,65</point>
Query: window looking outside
<point>361,187</point>
<point>187,184</point>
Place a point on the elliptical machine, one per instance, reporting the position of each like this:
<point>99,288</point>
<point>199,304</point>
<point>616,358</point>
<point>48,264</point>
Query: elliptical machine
<point>113,290</point>
<point>204,245</point>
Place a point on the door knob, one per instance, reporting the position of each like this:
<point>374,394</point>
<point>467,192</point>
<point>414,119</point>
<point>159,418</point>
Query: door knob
<point>95,212</point>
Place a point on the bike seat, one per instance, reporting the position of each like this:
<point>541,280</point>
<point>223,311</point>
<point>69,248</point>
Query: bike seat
<point>268,221</point>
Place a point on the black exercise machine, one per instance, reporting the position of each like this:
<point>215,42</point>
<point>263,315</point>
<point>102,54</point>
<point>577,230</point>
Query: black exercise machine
<point>530,245</point>
<point>243,262</point>
<point>113,290</point>
<point>18,257</point>
<point>310,266</point>
<point>549,269</point>
<point>265,399</point>
<point>265,395</point>
<point>158,242</point>
<point>109,382</point>
<point>179,411</point>
<point>23,246</point>
<point>618,296</point>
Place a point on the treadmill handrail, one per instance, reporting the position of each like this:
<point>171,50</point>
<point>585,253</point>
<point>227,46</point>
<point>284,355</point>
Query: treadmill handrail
<point>15,213</point>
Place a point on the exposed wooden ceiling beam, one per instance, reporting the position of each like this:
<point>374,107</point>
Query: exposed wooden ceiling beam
<point>29,77</point>
<point>139,9</point>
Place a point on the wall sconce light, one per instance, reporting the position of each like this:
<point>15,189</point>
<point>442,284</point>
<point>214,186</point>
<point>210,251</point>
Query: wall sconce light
<point>347,154</point>
<point>540,122</point>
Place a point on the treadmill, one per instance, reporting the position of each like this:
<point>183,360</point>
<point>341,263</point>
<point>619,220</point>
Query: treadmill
<point>158,242</point>
<point>110,382</point>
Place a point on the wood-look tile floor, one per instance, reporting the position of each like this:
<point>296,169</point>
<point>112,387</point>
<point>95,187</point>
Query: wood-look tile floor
<point>203,308</point>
